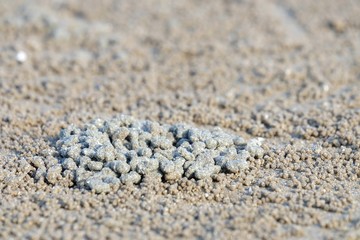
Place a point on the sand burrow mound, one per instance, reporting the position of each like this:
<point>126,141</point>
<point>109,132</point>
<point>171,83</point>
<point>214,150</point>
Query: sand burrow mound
<point>104,154</point>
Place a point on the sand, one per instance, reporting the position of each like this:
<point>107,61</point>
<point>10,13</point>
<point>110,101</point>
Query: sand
<point>287,71</point>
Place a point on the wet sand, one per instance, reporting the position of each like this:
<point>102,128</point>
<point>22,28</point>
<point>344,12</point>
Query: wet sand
<point>287,71</point>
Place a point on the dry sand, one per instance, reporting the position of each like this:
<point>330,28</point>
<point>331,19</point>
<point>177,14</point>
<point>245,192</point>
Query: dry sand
<point>286,70</point>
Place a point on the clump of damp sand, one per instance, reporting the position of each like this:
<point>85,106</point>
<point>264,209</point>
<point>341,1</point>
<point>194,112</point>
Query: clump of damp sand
<point>104,154</point>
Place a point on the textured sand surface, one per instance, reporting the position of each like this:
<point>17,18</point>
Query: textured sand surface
<point>287,71</point>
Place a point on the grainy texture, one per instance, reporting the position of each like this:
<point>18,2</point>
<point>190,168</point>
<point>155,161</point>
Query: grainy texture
<point>287,71</point>
<point>105,153</point>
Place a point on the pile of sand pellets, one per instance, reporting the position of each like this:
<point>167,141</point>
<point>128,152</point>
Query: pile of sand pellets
<point>104,154</point>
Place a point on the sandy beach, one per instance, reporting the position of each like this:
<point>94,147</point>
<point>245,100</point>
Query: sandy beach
<point>155,119</point>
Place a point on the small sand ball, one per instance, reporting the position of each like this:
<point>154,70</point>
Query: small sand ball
<point>124,150</point>
<point>21,57</point>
